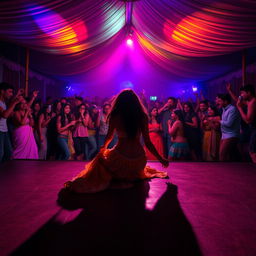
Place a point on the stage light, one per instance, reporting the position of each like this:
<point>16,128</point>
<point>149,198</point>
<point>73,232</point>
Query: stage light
<point>153,98</point>
<point>68,88</point>
<point>194,88</point>
<point>129,42</point>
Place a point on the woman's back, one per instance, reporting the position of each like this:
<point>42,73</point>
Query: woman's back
<point>127,146</point>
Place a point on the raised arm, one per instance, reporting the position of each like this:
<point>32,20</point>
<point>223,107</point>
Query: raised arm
<point>197,102</point>
<point>34,95</point>
<point>163,108</point>
<point>179,105</point>
<point>201,95</point>
<point>231,93</point>
<point>250,116</point>
<point>9,111</point>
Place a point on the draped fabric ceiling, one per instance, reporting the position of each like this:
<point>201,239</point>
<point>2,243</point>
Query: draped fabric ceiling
<point>190,39</point>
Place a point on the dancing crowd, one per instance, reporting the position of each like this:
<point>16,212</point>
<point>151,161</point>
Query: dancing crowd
<point>74,128</point>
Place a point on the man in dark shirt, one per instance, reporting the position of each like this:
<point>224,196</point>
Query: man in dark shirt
<point>6,93</point>
<point>165,114</point>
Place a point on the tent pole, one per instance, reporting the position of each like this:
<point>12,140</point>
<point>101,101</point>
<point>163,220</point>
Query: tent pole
<point>26,72</point>
<point>244,67</point>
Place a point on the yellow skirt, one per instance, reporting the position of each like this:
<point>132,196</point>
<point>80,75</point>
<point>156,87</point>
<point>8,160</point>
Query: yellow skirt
<point>110,165</point>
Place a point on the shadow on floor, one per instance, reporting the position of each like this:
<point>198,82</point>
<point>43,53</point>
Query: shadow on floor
<point>115,222</point>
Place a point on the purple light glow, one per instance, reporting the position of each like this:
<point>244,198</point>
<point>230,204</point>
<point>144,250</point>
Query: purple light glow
<point>126,84</point>
<point>125,68</point>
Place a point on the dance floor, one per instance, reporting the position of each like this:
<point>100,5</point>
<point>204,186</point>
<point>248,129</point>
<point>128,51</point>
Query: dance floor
<point>206,209</point>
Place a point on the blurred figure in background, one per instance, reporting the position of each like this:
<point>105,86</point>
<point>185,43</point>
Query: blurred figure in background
<point>24,144</point>
<point>247,94</point>
<point>230,129</point>
<point>192,131</point>
<point>53,150</point>
<point>179,149</point>
<point>165,115</point>
<point>6,111</point>
<point>80,132</point>
<point>64,125</point>
<point>155,134</point>
<point>44,119</point>
<point>103,126</point>
<point>92,131</point>
<point>211,134</point>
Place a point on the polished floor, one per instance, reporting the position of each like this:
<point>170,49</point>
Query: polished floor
<point>203,209</point>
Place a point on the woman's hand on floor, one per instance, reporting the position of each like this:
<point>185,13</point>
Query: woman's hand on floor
<point>164,162</point>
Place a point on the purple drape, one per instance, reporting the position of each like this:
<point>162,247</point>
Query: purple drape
<point>185,37</point>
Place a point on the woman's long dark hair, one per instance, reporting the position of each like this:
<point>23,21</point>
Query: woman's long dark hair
<point>150,116</point>
<point>55,105</point>
<point>77,113</point>
<point>179,113</point>
<point>128,107</point>
<point>62,115</point>
<point>93,116</point>
<point>190,105</point>
<point>44,111</point>
<point>215,110</point>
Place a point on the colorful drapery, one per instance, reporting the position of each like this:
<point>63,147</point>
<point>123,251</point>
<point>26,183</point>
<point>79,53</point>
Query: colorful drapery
<point>188,38</point>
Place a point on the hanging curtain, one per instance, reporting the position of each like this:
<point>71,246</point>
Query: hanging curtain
<point>191,39</point>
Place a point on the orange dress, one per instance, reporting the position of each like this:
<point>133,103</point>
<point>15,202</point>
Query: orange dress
<point>211,143</point>
<point>110,165</point>
<point>157,140</point>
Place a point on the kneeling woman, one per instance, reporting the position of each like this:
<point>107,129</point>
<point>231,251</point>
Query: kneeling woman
<point>179,149</point>
<point>126,162</point>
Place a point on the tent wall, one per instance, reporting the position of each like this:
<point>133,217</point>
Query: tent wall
<point>14,74</point>
<point>218,85</point>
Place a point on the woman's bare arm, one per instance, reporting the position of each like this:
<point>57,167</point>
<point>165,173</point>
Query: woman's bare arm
<point>86,120</point>
<point>18,119</point>
<point>194,123</point>
<point>150,145</point>
<point>34,95</point>
<point>173,129</point>
<point>64,128</point>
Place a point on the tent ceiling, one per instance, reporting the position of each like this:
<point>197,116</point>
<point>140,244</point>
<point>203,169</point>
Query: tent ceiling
<point>189,39</point>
